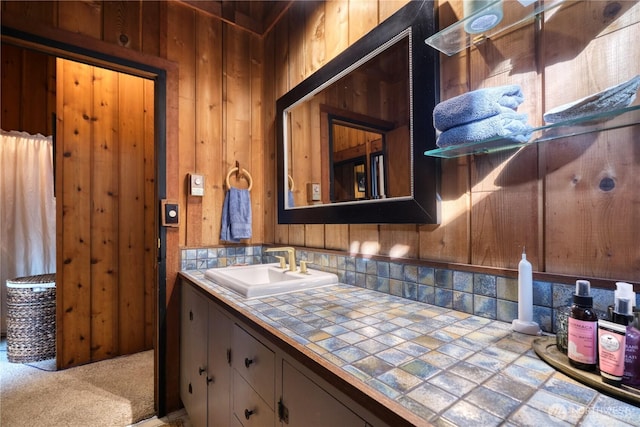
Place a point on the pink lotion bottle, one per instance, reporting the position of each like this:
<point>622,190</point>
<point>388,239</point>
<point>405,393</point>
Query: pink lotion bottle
<point>582,329</point>
<point>612,343</point>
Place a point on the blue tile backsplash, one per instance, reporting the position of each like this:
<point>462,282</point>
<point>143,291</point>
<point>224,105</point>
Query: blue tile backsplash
<point>481,294</point>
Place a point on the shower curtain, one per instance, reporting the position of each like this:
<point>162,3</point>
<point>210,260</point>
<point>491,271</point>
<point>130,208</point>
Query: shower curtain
<point>27,209</point>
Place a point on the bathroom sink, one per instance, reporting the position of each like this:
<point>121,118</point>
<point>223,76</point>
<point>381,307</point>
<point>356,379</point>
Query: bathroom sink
<point>262,280</point>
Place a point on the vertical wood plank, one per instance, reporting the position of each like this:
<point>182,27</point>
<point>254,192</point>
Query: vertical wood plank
<point>505,188</point>
<point>208,142</point>
<point>281,86</point>
<point>258,149</point>
<point>11,57</point>
<point>315,36</point>
<point>150,215</point>
<point>364,239</point>
<point>337,236</point>
<point>35,115</point>
<point>270,207</point>
<point>314,235</point>
<point>363,17</point>
<point>181,25</point>
<point>399,240</point>
<point>104,221</point>
<point>152,22</point>
<point>591,181</point>
<point>73,294</point>
<point>386,8</point>
<point>336,30</point>
<point>121,23</point>
<point>36,12</point>
<point>83,17</point>
<point>131,245</point>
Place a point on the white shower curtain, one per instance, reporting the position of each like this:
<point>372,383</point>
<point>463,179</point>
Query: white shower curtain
<point>27,209</point>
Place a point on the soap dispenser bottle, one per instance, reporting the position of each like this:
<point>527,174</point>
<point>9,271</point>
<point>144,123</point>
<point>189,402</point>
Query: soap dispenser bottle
<point>583,329</point>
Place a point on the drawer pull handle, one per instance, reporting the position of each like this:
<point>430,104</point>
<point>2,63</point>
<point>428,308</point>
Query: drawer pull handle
<point>247,362</point>
<point>201,370</point>
<point>210,380</point>
<point>248,413</point>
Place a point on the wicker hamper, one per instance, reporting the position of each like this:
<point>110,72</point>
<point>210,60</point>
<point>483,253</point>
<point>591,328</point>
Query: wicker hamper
<point>31,318</point>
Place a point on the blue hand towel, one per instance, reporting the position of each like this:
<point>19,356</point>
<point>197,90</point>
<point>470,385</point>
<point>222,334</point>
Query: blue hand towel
<point>510,126</point>
<point>236,216</point>
<point>291,200</point>
<point>476,105</point>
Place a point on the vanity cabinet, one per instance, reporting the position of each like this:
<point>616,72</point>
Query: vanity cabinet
<point>309,405</point>
<point>205,346</point>
<point>231,375</point>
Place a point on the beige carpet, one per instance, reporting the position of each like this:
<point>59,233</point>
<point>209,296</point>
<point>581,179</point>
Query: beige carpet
<point>112,393</point>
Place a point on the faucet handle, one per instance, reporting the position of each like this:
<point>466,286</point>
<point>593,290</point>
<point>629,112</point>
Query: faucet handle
<point>282,261</point>
<point>303,266</point>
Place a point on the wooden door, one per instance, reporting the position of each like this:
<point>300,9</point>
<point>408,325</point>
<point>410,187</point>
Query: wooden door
<point>106,215</point>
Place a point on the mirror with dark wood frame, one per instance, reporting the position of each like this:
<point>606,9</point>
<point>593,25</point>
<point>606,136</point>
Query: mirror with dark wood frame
<point>351,137</point>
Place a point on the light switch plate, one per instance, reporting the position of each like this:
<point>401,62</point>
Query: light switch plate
<point>169,212</point>
<point>313,192</point>
<point>196,185</point>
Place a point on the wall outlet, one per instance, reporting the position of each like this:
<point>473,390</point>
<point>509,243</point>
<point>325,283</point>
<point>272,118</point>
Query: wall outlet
<point>196,185</point>
<point>313,192</point>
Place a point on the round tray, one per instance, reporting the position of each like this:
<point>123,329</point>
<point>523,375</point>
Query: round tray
<point>546,349</point>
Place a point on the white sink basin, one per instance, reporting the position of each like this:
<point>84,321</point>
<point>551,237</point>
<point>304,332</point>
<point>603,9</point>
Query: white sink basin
<point>261,280</point>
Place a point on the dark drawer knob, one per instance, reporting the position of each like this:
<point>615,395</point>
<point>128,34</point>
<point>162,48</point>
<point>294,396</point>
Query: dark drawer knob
<point>210,380</point>
<point>248,413</point>
<point>201,370</point>
<point>247,362</point>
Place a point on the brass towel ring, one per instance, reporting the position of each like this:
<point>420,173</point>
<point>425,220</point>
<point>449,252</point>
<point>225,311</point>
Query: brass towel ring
<point>244,173</point>
<point>291,185</point>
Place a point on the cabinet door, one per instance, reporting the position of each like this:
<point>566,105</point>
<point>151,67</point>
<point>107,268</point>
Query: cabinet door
<point>219,376</point>
<point>193,355</point>
<point>255,362</point>
<point>249,408</point>
<point>309,405</point>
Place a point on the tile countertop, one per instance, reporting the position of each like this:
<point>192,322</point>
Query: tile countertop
<point>434,364</point>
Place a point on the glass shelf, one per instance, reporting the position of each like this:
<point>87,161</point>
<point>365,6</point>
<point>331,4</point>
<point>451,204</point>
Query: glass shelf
<point>454,38</point>
<point>614,119</point>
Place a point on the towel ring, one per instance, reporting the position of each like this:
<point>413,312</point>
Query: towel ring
<point>291,185</point>
<point>244,173</point>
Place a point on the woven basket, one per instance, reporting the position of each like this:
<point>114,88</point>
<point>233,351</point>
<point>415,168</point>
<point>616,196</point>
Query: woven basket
<point>31,318</point>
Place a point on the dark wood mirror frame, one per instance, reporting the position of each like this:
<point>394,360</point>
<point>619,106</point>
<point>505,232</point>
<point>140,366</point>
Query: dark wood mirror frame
<point>420,208</point>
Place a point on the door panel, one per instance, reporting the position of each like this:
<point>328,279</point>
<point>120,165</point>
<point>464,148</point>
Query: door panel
<point>106,218</point>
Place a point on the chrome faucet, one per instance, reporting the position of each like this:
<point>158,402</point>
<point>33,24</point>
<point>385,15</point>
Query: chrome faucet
<point>292,255</point>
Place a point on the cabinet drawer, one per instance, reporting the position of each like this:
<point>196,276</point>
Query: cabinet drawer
<point>255,363</point>
<point>248,407</point>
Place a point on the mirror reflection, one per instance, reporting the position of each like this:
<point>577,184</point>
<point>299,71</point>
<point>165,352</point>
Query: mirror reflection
<point>351,136</point>
<point>350,139</point>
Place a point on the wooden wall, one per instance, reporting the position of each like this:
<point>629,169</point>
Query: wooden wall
<point>547,198</point>
<point>28,90</point>
<point>570,202</point>
<point>219,107</point>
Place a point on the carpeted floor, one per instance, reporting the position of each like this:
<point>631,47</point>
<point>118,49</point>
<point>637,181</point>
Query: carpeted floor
<point>111,393</point>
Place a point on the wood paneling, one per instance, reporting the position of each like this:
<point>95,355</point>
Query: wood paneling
<point>228,84</point>
<point>28,87</point>
<point>106,226</point>
<point>494,205</point>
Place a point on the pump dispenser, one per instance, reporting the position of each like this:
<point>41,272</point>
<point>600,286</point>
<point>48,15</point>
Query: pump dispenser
<point>583,329</point>
<point>623,290</point>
